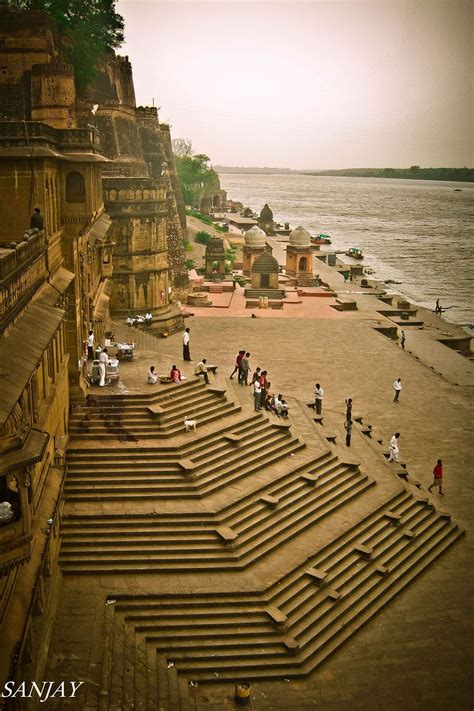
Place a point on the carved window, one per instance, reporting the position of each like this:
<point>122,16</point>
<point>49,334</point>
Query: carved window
<point>75,187</point>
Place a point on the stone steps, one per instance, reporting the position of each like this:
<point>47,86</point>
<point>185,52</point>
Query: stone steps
<point>170,545</point>
<point>303,617</point>
<point>206,478</point>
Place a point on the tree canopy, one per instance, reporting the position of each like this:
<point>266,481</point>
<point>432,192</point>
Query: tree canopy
<point>194,172</point>
<point>89,28</point>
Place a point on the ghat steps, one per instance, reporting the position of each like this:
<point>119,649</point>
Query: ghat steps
<point>192,473</point>
<point>129,417</point>
<point>261,521</point>
<point>294,625</point>
<point>363,540</point>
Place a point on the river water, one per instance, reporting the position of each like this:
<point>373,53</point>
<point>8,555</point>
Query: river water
<point>417,232</point>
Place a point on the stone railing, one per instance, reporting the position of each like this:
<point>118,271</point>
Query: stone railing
<point>17,254</point>
<point>134,189</point>
<point>36,133</point>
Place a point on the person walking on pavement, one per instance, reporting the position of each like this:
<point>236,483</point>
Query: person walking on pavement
<point>257,392</point>
<point>103,363</point>
<point>318,398</point>
<point>238,360</point>
<point>349,410</point>
<point>393,451</point>
<point>402,340</point>
<point>186,353</point>
<point>397,386</point>
<point>438,477</point>
<point>348,426</point>
<point>244,369</point>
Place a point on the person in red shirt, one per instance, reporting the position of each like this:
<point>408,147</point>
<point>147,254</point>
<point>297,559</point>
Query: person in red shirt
<point>237,363</point>
<point>175,374</point>
<point>437,477</point>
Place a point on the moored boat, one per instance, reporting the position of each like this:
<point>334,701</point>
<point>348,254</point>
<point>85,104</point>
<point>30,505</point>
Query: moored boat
<point>320,239</point>
<point>355,253</point>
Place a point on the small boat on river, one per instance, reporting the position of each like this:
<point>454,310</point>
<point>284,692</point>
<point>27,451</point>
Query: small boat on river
<point>320,239</point>
<point>355,253</point>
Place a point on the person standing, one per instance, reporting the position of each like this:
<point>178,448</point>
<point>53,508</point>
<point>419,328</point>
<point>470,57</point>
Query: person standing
<point>238,360</point>
<point>257,393</point>
<point>349,410</point>
<point>103,363</point>
<point>201,369</point>
<point>437,477</point>
<point>397,386</point>
<point>393,451</point>
<point>90,346</point>
<point>256,375</point>
<point>263,387</point>
<point>348,426</point>
<point>37,220</point>
<point>186,353</point>
<point>402,340</point>
<point>244,369</point>
<point>318,398</point>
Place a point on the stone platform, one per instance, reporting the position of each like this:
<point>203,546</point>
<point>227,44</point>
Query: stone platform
<point>246,550</point>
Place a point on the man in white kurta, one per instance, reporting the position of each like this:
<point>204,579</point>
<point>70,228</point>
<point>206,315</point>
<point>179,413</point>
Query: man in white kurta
<point>103,363</point>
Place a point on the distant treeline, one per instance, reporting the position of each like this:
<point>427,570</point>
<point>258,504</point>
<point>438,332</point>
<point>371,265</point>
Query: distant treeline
<point>242,169</point>
<point>415,173</point>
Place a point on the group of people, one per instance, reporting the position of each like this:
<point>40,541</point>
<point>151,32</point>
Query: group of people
<point>263,398</point>
<point>242,367</point>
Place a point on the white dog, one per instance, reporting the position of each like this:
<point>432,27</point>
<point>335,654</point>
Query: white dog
<point>189,424</point>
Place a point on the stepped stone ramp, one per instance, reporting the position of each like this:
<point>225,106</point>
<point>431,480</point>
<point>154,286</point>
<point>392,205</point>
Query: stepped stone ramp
<point>290,628</point>
<point>198,474</point>
<point>133,417</point>
<point>234,537</point>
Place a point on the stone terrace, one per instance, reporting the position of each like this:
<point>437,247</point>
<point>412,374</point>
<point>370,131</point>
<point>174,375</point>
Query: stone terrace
<point>259,523</point>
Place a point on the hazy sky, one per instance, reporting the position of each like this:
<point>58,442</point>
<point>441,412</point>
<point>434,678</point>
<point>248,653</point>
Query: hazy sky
<point>322,84</point>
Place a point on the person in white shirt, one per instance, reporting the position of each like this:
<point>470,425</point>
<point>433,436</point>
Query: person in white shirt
<point>152,375</point>
<point>186,353</point>
<point>257,393</point>
<point>90,346</point>
<point>103,363</point>
<point>394,451</point>
<point>397,386</point>
<point>318,398</point>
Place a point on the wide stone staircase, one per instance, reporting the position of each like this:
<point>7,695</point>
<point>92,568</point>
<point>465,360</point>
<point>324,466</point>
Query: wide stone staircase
<point>255,546</point>
<point>157,414</point>
<point>235,537</point>
<point>293,626</point>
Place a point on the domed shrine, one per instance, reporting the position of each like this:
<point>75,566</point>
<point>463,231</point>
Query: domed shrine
<point>215,258</point>
<point>255,244</point>
<point>299,257</point>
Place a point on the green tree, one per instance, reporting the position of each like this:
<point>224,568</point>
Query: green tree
<point>194,172</point>
<point>203,237</point>
<point>89,28</point>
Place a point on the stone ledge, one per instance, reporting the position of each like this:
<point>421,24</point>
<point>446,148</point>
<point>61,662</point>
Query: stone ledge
<point>155,410</point>
<point>333,594</point>
<point>382,569</point>
<point>226,533</point>
<point>310,478</point>
<point>317,574</point>
<point>271,501</point>
<point>276,615</point>
<point>187,465</point>
<point>217,391</point>
<point>291,644</point>
<point>365,551</point>
<point>331,438</point>
<point>235,439</point>
<point>392,516</point>
<point>282,425</point>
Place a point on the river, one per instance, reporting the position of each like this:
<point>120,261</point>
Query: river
<point>416,232</point>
